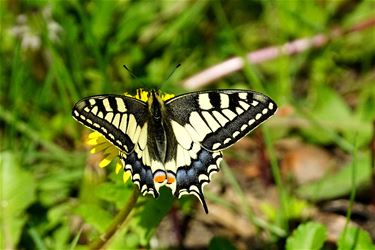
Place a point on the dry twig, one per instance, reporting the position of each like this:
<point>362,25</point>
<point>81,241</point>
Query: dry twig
<point>236,63</point>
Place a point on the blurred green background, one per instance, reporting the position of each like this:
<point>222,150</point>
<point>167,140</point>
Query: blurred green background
<point>53,53</point>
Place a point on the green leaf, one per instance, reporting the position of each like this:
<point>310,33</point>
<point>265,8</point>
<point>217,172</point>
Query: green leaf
<point>103,16</point>
<point>150,215</point>
<point>17,193</point>
<point>124,240</point>
<point>62,236</point>
<point>310,235</point>
<point>355,238</point>
<point>295,209</point>
<point>331,109</point>
<point>76,239</point>
<point>220,243</point>
<point>117,193</point>
<point>56,215</point>
<point>291,21</point>
<point>337,185</point>
<point>37,239</point>
<point>95,215</point>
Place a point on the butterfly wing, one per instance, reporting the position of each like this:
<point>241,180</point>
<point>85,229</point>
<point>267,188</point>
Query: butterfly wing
<point>122,120</point>
<point>218,119</point>
<point>198,125</point>
<point>116,117</point>
<point>204,123</point>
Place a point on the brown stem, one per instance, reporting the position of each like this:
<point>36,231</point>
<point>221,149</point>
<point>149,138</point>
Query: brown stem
<point>116,223</point>
<point>236,63</point>
<point>372,151</point>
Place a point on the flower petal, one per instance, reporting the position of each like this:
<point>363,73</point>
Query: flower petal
<point>111,150</point>
<point>112,155</point>
<point>118,167</point>
<point>94,134</point>
<point>105,162</point>
<point>167,96</point>
<point>96,140</point>
<point>100,147</point>
<point>92,142</point>
<point>126,176</point>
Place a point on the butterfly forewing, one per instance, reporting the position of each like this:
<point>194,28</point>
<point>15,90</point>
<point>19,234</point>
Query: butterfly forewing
<point>116,117</point>
<point>217,119</point>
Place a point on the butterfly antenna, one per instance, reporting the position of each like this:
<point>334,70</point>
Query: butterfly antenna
<point>170,74</point>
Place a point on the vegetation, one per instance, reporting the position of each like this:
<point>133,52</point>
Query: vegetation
<point>303,180</point>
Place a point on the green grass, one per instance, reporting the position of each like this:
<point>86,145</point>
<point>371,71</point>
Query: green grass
<point>51,187</point>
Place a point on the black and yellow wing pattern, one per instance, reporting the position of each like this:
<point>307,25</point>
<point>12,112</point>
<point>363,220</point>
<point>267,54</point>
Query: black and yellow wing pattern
<point>175,142</point>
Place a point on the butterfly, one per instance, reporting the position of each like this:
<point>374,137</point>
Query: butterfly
<point>175,142</point>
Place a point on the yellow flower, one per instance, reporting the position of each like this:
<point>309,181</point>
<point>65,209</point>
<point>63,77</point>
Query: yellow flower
<point>99,144</point>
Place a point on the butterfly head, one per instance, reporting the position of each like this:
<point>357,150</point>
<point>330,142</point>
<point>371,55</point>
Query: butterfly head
<point>155,104</point>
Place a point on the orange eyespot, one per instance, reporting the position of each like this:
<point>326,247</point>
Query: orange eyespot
<point>170,179</point>
<point>159,178</point>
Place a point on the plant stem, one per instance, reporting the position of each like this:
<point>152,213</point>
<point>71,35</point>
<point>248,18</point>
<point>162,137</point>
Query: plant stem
<point>117,222</point>
<point>372,150</point>
<point>353,188</point>
<point>282,192</point>
<point>234,64</point>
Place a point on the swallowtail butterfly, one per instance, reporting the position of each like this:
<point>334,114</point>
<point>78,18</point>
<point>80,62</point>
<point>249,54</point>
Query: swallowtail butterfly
<point>175,142</point>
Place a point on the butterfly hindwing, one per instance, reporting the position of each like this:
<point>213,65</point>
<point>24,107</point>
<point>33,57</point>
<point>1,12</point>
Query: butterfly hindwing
<point>191,179</point>
<point>189,166</point>
<point>217,119</point>
<point>142,174</point>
